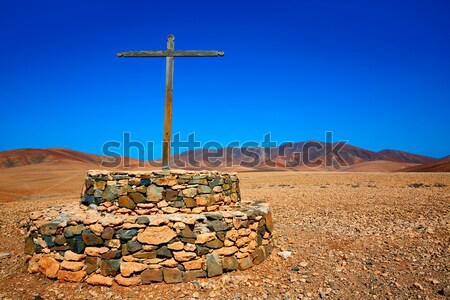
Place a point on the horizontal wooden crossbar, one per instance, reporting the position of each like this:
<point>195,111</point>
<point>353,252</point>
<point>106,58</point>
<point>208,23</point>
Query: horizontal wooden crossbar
<point>177,53</point>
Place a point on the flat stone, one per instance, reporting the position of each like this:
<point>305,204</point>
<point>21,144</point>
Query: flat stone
<point>151,275</point>
<point>172,275</point>
<point>69,276</point>
<point>183,255</point>
<point>109,267</point>
<point>205,237</point>
<point>204,200</point>
<point>112,254</point>
<point>214,244</point>
<point>190,192</point>
<point>95,251</point>
<point>72,265</point>
<point>49,266</point>
<point>214,215</point>
<point>145,255</point>
<point>129,268</point>
<point>194,264</point>
<point>91,239</point>
<point>114,243</point>
<point>70,231</point>
<point>126,234</point>
<point>132,281</point>
<point>171,263</point>
<point>97,229</point>
<point>98,279</point>
<point>193,275</point>
<point>176,246</point>
<point>225,251</point>
<point>217,225</point>
<point>203,189</point>
<point>213,267</point>
<point>156,235</point>
<point>126,202</point>
<point>49,229</point>
<point>72,256</point>
<point>142,220</point>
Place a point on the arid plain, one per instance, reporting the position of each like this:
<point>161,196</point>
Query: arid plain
<point>352,236</point>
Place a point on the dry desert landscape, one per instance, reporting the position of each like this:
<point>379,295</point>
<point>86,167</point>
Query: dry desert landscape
<point>351,236</point>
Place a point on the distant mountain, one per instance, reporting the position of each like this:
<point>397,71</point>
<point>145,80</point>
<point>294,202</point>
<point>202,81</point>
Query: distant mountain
<point>396,155</point>
<point>287,157</point>
<point>446,157</point>
<point>442,165</point>
<point>31,156</point>
<point>301,156</point>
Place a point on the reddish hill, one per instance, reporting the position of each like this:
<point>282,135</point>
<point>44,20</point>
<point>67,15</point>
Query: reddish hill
<point>401,156</point>
<point>440,166</point>
<point>24,157</point>
<point>293,156</point>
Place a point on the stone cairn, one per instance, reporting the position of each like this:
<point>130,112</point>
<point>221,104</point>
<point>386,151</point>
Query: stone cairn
<point>146,227</point>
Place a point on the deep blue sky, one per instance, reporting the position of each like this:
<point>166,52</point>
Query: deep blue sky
<point>376,73</point>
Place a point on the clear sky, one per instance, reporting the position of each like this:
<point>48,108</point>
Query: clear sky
<point>376,73</point>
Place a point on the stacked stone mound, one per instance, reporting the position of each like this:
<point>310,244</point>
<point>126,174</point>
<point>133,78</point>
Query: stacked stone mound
<point>140,228</point>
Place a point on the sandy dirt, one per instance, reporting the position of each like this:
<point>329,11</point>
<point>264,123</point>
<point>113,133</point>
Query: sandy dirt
<point>352,236</point>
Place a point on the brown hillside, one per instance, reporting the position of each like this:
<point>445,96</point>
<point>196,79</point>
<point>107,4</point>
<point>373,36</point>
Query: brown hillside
<point>440,166</point>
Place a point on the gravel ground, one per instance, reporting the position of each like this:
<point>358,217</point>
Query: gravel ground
<point>351,235</point>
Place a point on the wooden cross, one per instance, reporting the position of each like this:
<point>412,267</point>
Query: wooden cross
<point>169,54</point>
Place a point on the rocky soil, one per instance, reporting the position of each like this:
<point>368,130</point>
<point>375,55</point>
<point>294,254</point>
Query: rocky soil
<point>343,236</point>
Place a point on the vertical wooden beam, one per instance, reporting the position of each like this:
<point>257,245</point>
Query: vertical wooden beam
<point>168,104</point>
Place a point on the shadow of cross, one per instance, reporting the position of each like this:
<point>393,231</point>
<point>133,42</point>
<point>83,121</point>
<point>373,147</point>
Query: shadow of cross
<point>169,54</point>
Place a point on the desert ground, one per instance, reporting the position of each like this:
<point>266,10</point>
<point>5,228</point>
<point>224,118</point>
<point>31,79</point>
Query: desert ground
<point>352,236</point>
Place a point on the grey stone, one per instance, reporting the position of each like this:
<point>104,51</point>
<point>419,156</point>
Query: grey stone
<point>71,231</point>
<point>213,265</point>
<point>110,193</point>
<point>217,225</point>
<point>142,220</point>
<point>91,239</point>
<point>134,246</point>
<point>126,234</point>
<point>49,229</point>
<point>164,252</point>
<point>109,267</point>
<point>76,244</point>
<point>203,189</point>
<point>214,244</point>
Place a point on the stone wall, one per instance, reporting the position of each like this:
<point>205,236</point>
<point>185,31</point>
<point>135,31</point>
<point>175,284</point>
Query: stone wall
<point>160,191</point>
<point>102,244</point>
